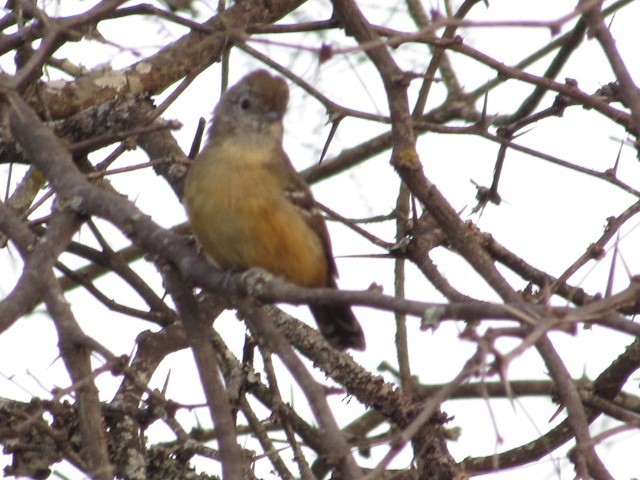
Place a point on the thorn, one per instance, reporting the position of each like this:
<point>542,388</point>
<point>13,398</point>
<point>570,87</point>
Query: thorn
<point>197,138</point>
<point>335,119</point>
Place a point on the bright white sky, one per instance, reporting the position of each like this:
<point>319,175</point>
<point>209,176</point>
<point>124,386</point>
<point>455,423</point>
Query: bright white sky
<point>549,216</point>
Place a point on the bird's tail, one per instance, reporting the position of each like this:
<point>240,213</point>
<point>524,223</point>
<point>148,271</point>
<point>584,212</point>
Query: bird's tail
<point>339,326</point>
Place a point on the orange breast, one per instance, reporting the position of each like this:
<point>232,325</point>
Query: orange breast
<point>241,217</point>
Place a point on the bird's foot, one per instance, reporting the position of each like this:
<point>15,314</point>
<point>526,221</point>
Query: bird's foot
<point>254,279</point>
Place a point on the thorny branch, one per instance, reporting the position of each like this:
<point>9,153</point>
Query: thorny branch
<point>55,127</point>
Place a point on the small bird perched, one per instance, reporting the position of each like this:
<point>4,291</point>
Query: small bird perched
<point>248,207</point>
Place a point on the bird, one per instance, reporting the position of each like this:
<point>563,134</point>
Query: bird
<point>248,207</point>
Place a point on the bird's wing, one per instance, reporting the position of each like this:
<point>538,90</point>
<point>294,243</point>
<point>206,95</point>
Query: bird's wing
<point>298,193</point>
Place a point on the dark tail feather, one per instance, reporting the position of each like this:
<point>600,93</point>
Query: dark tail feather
<point>339,326</point>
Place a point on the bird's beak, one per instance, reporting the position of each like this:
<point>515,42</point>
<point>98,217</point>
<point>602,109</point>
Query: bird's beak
<point>273,115</point>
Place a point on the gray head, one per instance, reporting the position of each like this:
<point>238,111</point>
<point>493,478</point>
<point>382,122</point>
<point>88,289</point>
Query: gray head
<point>254,105</point>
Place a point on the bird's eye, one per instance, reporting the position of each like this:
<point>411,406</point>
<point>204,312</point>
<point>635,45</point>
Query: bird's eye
<point>245,104</point>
